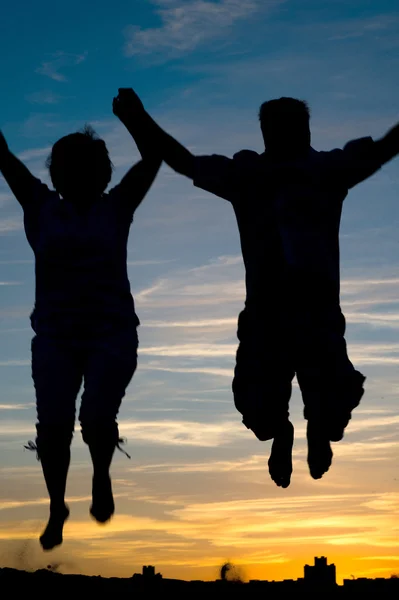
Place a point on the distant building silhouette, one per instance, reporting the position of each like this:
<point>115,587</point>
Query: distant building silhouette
<point>148,573</point>
<point>320,573</point>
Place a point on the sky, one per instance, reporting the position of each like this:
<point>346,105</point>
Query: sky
<point>196,491</point>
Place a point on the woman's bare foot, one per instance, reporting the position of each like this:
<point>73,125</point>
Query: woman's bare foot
<point>52,535</point>
<point>280,461</point>
<point>103,506</point>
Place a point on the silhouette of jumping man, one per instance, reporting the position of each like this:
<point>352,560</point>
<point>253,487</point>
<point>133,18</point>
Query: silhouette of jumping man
<point>288,203</point>
<point>84,316</point>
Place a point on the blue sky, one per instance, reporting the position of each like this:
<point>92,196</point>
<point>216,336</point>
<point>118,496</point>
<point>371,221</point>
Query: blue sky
<point>197,490</point>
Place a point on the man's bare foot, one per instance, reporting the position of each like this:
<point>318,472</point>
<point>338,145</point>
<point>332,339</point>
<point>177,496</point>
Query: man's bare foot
<point>52,535</point>
<point>280,461</point>
<point>319,449</point>
<point>103,506</point>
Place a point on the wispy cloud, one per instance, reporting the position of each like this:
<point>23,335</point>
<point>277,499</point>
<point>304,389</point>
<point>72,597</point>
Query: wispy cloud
<point>40,124</point>
<point>219,281</point>
<point>164,432</point>
<point>9,504</point>
<point>16,406</point>
<point>248,524</point>
<point>374,423</point>
<point>11,224</point>
<point>252,463</point>
<point>58,62</point>
<point>183,433</point>
<point>5,283</point>
<point>34,153</point>
<point>353,451</point>
<point>357,28</point>
<point>192,350</point>
<point>16,262</point>
<point>205,370</point>
<point>186,24</point>
<point>43,97</point>
<point>15,363</point>
<point>13,312</point>
<point>383,557</point>
<point>16,427</point>
<point>147,263</point>
<point>199,323</point>
<point>5,198</point>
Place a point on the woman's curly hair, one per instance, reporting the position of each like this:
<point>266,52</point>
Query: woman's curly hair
<point>83,149</point>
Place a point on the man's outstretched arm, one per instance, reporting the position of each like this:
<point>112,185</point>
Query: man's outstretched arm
<point>176,156</point>
<point>363,157</point>
<point>214,173</point>
<point>152,140</point>
<point>19,178</point>
<point>388,146</point>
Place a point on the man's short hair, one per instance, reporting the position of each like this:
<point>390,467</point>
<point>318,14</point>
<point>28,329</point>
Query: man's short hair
<point>282,106</point>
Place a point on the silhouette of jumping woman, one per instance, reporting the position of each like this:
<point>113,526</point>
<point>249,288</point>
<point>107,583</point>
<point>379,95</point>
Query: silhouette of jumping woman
<point>288,203</point>
<point>84,316</point>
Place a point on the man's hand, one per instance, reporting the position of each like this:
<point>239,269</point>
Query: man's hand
<point>3,145</point>
<point>127,105</point>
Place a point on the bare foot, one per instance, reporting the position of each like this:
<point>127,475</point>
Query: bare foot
<point>52,535</point>
<point>103,506</point>
<point>280,461</point>
<point>319,450</point>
